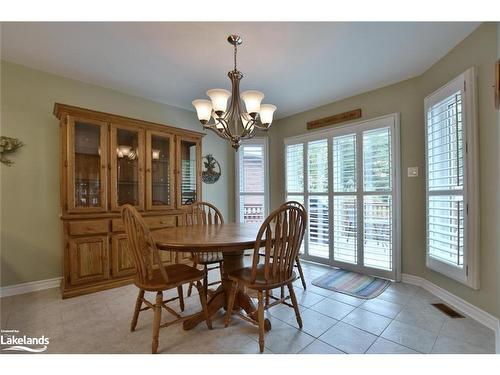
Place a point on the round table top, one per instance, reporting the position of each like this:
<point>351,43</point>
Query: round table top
<point>215,237</point>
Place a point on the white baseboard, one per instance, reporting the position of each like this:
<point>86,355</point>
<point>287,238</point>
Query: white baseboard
<point>458,303</point>
<point>12,290</point>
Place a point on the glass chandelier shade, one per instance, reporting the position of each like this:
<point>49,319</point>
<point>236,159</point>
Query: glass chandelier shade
<point>219,99</point>
<point>244,114</point>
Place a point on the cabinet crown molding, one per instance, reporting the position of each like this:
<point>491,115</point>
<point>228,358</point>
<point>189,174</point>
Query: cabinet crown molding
<point>61,110</point>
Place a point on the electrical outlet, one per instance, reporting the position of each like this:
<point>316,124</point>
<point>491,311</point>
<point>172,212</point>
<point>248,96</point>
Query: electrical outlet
<point>412,171</point>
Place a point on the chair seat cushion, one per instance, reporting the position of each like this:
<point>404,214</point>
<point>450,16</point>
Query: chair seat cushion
<point>177,274</point>
<point>207,257</point>
<point>244,275</point>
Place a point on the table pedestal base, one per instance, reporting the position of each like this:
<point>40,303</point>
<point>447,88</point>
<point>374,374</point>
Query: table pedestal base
<point>218,299</point>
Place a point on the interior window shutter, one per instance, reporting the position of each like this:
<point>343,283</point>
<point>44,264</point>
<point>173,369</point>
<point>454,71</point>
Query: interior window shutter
<point>445,180</point>
<point>318,202</point>
<point>451,183</point>
<point>295,168</point>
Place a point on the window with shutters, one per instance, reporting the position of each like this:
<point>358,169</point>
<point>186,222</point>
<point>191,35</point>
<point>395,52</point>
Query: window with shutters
<point>251,181</point>
<point>451,180</point>
<point>348,178</point>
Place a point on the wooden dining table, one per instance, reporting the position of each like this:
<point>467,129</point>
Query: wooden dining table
<point>232,239</point>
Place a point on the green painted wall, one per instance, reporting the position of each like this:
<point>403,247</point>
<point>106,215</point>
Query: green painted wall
<point>31,246</point>
<point>407,98</point>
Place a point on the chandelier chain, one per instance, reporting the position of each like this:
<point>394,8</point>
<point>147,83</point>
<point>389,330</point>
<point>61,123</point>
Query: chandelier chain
<point>235,51</point>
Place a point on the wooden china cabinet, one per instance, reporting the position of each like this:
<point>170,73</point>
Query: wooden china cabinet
<point>107,161</point>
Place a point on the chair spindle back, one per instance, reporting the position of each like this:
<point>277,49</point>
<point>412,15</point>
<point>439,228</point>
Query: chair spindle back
<point>296,204</point>
<point>281,235</point>
<point>203,213</point>
<point>141,245</point>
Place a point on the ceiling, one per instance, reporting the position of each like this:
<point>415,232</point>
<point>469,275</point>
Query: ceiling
<point>298,65</point>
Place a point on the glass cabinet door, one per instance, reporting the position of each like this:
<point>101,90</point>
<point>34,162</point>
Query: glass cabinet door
<point>188,171</point>
<point>127,166</point>
<point>159,170</point>
<point>86,165</point>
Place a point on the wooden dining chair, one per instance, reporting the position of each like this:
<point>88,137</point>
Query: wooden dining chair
<point>204,213</point>
<point>153,276</point>
<point>281,235</point>
<point>297,259</point>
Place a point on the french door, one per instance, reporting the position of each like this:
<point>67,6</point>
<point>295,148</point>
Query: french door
<point>348,178</point>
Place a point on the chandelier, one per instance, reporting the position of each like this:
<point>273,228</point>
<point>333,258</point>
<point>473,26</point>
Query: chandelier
<point>233,123</point>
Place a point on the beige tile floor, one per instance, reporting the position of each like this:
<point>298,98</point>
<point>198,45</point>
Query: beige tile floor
<point>401,320</point>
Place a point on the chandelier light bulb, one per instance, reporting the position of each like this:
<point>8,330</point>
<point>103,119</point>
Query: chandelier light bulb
<point>266,113</point>
<point>252,99</point>
<point>203,109</point>
<point>219,99</point>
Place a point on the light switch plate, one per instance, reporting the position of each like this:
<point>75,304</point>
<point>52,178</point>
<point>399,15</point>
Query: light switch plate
<point>412,171</point>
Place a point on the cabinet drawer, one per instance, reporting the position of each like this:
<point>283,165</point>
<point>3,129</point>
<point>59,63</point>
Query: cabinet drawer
<point>117,225</point>
<point>88,227</point>
<point>155,222</point>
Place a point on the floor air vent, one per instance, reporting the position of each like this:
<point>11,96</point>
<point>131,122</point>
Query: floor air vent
<point>447,310</point>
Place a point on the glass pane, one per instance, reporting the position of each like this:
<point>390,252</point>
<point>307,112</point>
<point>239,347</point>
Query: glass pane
<point>378,231</point>
<point>127,167</point>
<point>317,166</point>
<point>252,172</point>
<point>295,168</point>
<point>160,170</point>
<point>446,228</point>
<point>318,226</point>
<point>296,198</point>
<point>344,163</point>
<point>377,160</point>
<point>345,224</point>
<point>188,172</point>
<point>445,144</point>
<point>87,165</point>
<point>252,209</point>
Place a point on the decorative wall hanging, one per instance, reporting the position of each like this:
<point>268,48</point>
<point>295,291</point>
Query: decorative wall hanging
<point>212,170</point>
<point>335,119</point>
<point>8,146</point>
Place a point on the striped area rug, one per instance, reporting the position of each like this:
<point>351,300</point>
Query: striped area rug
<point>352,283</point>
